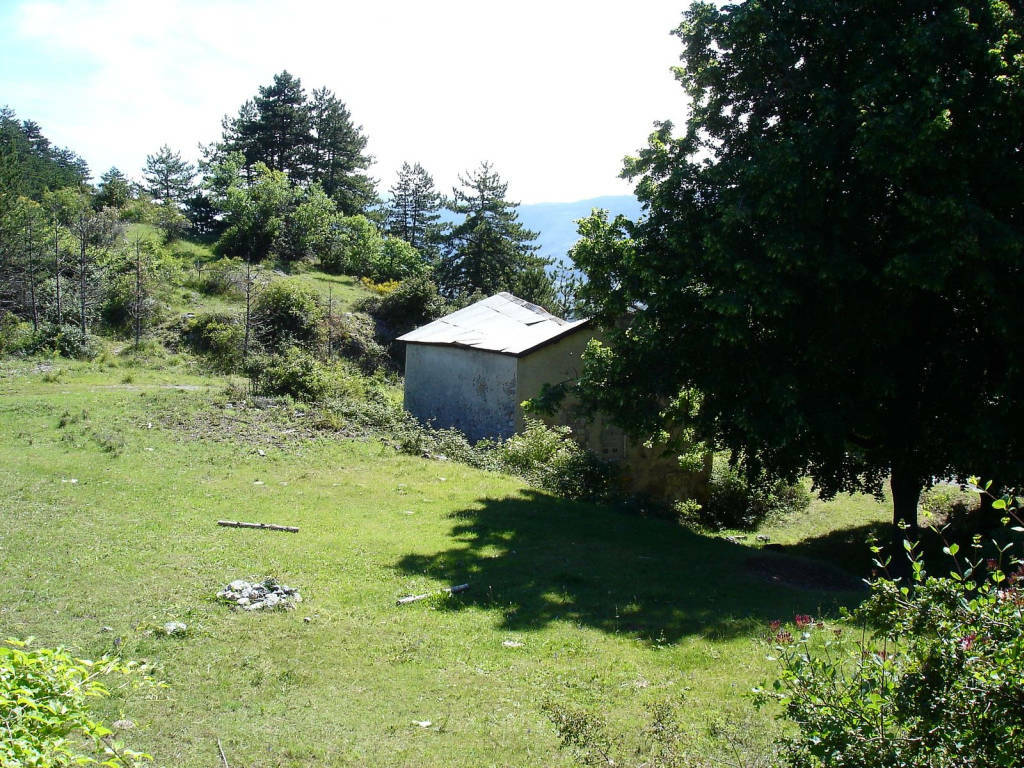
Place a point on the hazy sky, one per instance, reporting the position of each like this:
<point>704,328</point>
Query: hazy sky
<point>553,92</point>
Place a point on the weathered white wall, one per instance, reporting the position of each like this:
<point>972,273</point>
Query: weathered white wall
<point>469,389</point>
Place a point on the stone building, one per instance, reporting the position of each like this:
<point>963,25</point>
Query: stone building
<point>472,370</point>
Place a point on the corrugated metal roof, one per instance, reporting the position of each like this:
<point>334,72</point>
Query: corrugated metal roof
<point>500,323</point>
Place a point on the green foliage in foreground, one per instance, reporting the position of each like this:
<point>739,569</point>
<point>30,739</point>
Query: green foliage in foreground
<point>939,682</point>
<point>45,717</point>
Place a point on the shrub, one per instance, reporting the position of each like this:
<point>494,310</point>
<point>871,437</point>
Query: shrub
<point>14,334</point>
<point>44,709</point>
<point>549,458</point>
<point>353,336</point>
<point>72,343</point>
<point>944,501</point>
<point>413,303</point>
<point>738,501</point>
<point>295,373</point>
<point>215,278</point>
<point>381,289</point>
<point>217,335</point>
<point>941,682</point>
<point>398,260</point>
<point>356,245</point>
<point>69,342</point>
<point>288,313</point>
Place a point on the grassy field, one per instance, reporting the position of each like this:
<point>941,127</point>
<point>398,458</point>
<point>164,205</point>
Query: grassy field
<point>115,474</point>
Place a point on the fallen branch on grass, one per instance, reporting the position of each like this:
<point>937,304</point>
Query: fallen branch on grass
<point>449,590</point>
<point>268,526</point>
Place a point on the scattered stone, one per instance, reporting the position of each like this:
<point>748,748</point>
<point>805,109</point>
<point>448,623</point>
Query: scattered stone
<point>512,644</point>
<point>261,452</point>
<point>422,723</point>
<point>763,539</point>
<point>123,725</point>
<point>172,628</point>
<point>258,482</point>
<point>106,629</point>
<point>256,596</point>
<point>307,619</point>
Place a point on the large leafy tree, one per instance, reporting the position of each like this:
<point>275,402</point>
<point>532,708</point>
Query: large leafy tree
<point>831,252</point>
<point>256,213</point>
<point>413,210</point>
<point>490,250</point>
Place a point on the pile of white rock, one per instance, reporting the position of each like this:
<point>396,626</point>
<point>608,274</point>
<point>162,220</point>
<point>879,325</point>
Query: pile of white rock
<point>264,595</point>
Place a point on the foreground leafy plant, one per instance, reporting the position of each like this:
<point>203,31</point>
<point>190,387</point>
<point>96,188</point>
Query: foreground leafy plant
<point>44,709</point>
<point>939,683</point>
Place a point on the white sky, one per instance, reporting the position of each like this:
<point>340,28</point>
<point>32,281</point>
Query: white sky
<point>553,92</point>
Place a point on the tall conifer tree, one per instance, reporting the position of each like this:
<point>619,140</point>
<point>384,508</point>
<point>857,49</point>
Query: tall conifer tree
<point>413,210</point>
<point>490,250</point>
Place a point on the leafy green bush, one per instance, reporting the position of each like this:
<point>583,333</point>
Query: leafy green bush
<point>218,336</point>
<point>940,682</point>
<point>215,278</point>
<point>353,336</point>
<point>737,501</point>
<point>413,303</point>
<point>549,458</point>
<point>72,343</point>
<point>288,313</point>
<point>944,501</point>
<point>295,373</point>
<point>69,342</point>
<point>44,709</point>
<point>14,334</point>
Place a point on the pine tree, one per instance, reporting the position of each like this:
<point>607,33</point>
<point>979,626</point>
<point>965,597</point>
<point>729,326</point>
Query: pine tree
<point>114,190</point>
<point>336,154</point>
<point>490,251</point>
<point>280,134</point>
<point>413,210</point>
<point>312,140</point>
<point>168,177</point>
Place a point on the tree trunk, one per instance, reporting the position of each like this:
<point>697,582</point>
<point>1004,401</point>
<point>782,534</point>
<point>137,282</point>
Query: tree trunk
<point>906,492</point>
<point>138,295</point>
<point>56,274</point>
<point>248,309</point>
<point>82,279</point>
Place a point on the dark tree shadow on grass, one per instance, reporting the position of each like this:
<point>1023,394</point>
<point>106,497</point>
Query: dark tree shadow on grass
<point>537,559</point>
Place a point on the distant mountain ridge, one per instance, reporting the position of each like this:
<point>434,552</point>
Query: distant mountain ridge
<point>556,222</point>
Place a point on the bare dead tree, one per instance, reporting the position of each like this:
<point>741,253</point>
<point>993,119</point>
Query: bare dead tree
<point>94,233</point>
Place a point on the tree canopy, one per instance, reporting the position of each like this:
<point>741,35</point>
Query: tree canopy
<point>310,139</point>
<point>830,258</point>
<point>490,250</point>
<point>413,209</point>
<point>168,178</point>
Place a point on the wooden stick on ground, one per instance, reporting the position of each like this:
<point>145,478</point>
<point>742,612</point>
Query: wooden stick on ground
<point>222,757</point>
<point>267,526</point>
<point>414,598</point>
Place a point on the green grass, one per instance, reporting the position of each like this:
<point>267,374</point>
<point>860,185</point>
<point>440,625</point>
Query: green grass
<point>344,290</point>
<point>111,490</point>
